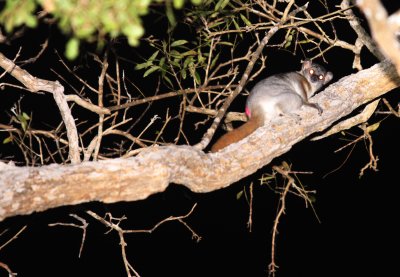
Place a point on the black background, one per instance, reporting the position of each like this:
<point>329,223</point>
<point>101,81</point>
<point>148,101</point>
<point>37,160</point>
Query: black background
<point>357,235</point>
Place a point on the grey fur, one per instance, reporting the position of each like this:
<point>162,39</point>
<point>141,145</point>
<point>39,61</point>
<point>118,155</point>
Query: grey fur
<point>287,92</point>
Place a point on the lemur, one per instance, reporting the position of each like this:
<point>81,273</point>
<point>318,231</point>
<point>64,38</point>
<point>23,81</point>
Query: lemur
<point>278,94</point>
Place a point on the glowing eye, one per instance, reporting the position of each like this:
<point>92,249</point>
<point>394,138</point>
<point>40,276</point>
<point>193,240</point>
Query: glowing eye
<point>311,71</point>
<point>321,77</point>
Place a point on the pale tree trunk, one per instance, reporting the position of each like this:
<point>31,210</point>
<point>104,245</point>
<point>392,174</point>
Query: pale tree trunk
<point>24,190</point>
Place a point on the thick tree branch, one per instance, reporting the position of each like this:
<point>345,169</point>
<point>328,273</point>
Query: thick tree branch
<point>24,190</point>
<point>383,29</point>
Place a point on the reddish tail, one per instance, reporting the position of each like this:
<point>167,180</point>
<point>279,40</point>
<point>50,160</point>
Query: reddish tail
<point>237,134</point>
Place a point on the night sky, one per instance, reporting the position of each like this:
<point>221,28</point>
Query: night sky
<point>357,234</point>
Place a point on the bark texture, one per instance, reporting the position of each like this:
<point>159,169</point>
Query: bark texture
<point>24,190</point>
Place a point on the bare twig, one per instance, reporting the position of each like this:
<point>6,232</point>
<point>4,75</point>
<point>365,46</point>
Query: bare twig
<point>250,220</point>
<point>13,238</point>
<point>35,58</point>
<point>362,34</point>
<point>286,172</point>
<point>373,161</point>
<point>121,232</point>
<point>83,226</point>
<point>87,105</point>
<point>6,267</point>
<point>100,96</point>
<point>35,85</point>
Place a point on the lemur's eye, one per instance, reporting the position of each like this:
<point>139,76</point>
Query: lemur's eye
<point>311,71</point>
<point>321,77</point>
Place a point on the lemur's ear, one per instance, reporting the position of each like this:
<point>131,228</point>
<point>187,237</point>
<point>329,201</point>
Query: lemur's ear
<point>306,64</point>
<point>328,77</point>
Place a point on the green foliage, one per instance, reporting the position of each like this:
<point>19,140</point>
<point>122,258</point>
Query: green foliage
<point>17,13</point>
<point>72,48</point>
<point>23,120</point>
<point>85,19</point>
<point>95,19</point>
<point>7,140</point>
<point>177,59</point>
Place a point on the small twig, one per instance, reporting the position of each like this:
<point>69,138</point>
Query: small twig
<point>272,267</point>
<point>34,59</point>
<point>393,111</point>
<point>250,220</point>
<point>286,172</point>
<point>121,232</point>
<point>76,76</point>
<point>373,161</point>
<point>13,238</point>
<point>6,267</point>
<point>87,105</point>
<point>360,31</point>
<point>165,95</point>
<point>83,227</point>
<point>100,96</point>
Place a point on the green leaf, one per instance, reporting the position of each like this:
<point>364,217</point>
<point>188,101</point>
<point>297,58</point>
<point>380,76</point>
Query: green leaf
<point>72,49</point>
<point>237,27</point>
<point>175,63</point>
<point>175,54</point>
<point>239,195</point>
<point>288,42</point>
<point>200,57</point>
<point>214,61</point>
<point>162,62</point>
<point>218,5</point>
<point>166,78</point>
<point>170,14</point>
<point>151,70</point>
<point>178,4</point>
<point>24,115</point>
<point>221,5</point>
<point>164,46</point>
<point>245,20</point>
<point>197,77</point>
<point>23,123</point>
<point>151,59</point>
<point>190,53</point>
<point>183,74</point>
<point>187,61</point>
<point>216,24</point>
<point>289,39</point>
<point>179,42</point>
<point>226,43</point>
<point>7,140</point>
<point>31,21</point>
<point>142,65</point>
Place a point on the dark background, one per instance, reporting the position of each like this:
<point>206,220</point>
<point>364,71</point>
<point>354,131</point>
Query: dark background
<point>357,235</point>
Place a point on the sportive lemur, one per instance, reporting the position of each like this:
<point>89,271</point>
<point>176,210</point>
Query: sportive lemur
<point>278,94</point>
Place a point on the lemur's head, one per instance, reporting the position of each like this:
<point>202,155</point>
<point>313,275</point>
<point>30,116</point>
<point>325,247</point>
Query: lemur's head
<point>316,74</point>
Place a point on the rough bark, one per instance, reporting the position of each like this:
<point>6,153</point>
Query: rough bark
<point>24,190</point>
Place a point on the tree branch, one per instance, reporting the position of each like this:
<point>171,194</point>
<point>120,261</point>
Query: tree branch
<point>383,29</point>
<point>24,190</point>
<point>34,84</point>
